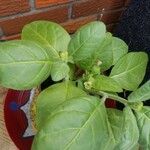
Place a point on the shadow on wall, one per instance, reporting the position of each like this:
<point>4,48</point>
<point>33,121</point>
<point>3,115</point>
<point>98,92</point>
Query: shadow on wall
<point>134,28</point>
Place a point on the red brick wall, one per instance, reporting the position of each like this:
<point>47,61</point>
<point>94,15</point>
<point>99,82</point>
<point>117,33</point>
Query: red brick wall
<point>14,14</point>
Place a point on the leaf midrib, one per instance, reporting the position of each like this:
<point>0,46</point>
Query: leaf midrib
<point>137,99</point>
<point>125,72</point>
<point>143,115</point>
<point>25,62</point>
<point>78,133</point>
<point>120,55</point>
<point>135,96</point>
<point>91,36</point>
<point>54,50</point>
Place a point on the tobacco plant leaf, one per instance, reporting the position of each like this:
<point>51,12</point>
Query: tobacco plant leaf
<point>119,48</point>
<point>104,83</point>
<point>124,128</point>
<point>59,71</point>
<point>23,64</point>
<point>52,97</point>
<point>109,52</point>
<point>85,44</point>
<point>143,121</point>
<point>104,53</point>
<point>49,35</point>
<point>141,94</point>
<point>129,71</point>
<point>78,124</point>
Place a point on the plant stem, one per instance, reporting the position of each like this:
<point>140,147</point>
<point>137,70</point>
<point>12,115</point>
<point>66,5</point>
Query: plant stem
<point>104,98</point>
<point>111,96</point>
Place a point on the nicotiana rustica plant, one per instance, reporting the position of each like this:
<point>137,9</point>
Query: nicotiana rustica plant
<point>71,114</point>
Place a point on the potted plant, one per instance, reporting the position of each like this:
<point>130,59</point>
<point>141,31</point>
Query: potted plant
<point>87,68</point>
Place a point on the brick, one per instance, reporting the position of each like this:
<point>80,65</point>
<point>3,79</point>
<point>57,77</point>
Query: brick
<point>127,2</point>
<point>15,25</point>
<point>1,32</point>
<point>11,37</point>
<point>111,16</point>
<point>114,4</point>
<point>9,7</point>
<point>72,25</point>
<point>46,3</point>
<point>111,27</point>
<point>89,7</point>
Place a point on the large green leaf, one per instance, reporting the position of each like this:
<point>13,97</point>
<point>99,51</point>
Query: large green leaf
<point>49,35</point>
<point>143,121</point>
<point>86,42</point>
<point>78,124</point>
<point>52,97</point>
<point>129,71</point>
<point>104,83</point>
<point>124,128</point>
<point>23,64</point>
<point>119,48</point>
<point>141,94</point>
<point>59,71</point>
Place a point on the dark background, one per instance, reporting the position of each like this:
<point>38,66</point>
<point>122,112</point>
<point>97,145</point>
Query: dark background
<point>134,28</point>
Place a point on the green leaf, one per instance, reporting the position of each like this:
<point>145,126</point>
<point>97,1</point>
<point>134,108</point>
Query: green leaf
<point>86,42</point>
<point>72,71</point>
<point>129,71</point>
<point>141,94</point>
<point>49,35</point>
<point>124,128</point>
<point>78,124</point>
<point>104,83</point>
<point>59,71</point>
<point>143,121</point>
<point>52,97</point>
<point>23,64</point>
<point>119,48</point>
<point>136,147</point>
<point>104,53</point>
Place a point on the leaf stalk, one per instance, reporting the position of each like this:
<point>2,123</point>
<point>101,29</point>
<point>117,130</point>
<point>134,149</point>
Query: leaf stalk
<point>111,96</point>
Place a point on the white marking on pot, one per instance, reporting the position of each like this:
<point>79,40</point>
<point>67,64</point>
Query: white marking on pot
<point>27,110</point>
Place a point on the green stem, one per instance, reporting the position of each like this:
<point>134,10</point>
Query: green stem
<point>104,98</point>
<point>111,96</point>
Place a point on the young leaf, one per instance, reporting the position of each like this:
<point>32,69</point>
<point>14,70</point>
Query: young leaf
<point>85,42</point>
<point>109,52</point>
<point>119,48</point>
<point>143,121</point>
<point>49,35</point>
<point>141,94</point>
<point>124,128</point>
<point>78,124</point>
<point>104,53</point>
<point>23,65</point>
<point>52,97</point>
<point>104,83</point>
<point>129,71</point>
<point>59,71</point>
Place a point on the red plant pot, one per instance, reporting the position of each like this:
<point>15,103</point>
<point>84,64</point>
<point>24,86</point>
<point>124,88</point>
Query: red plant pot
<point>15,119</point>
